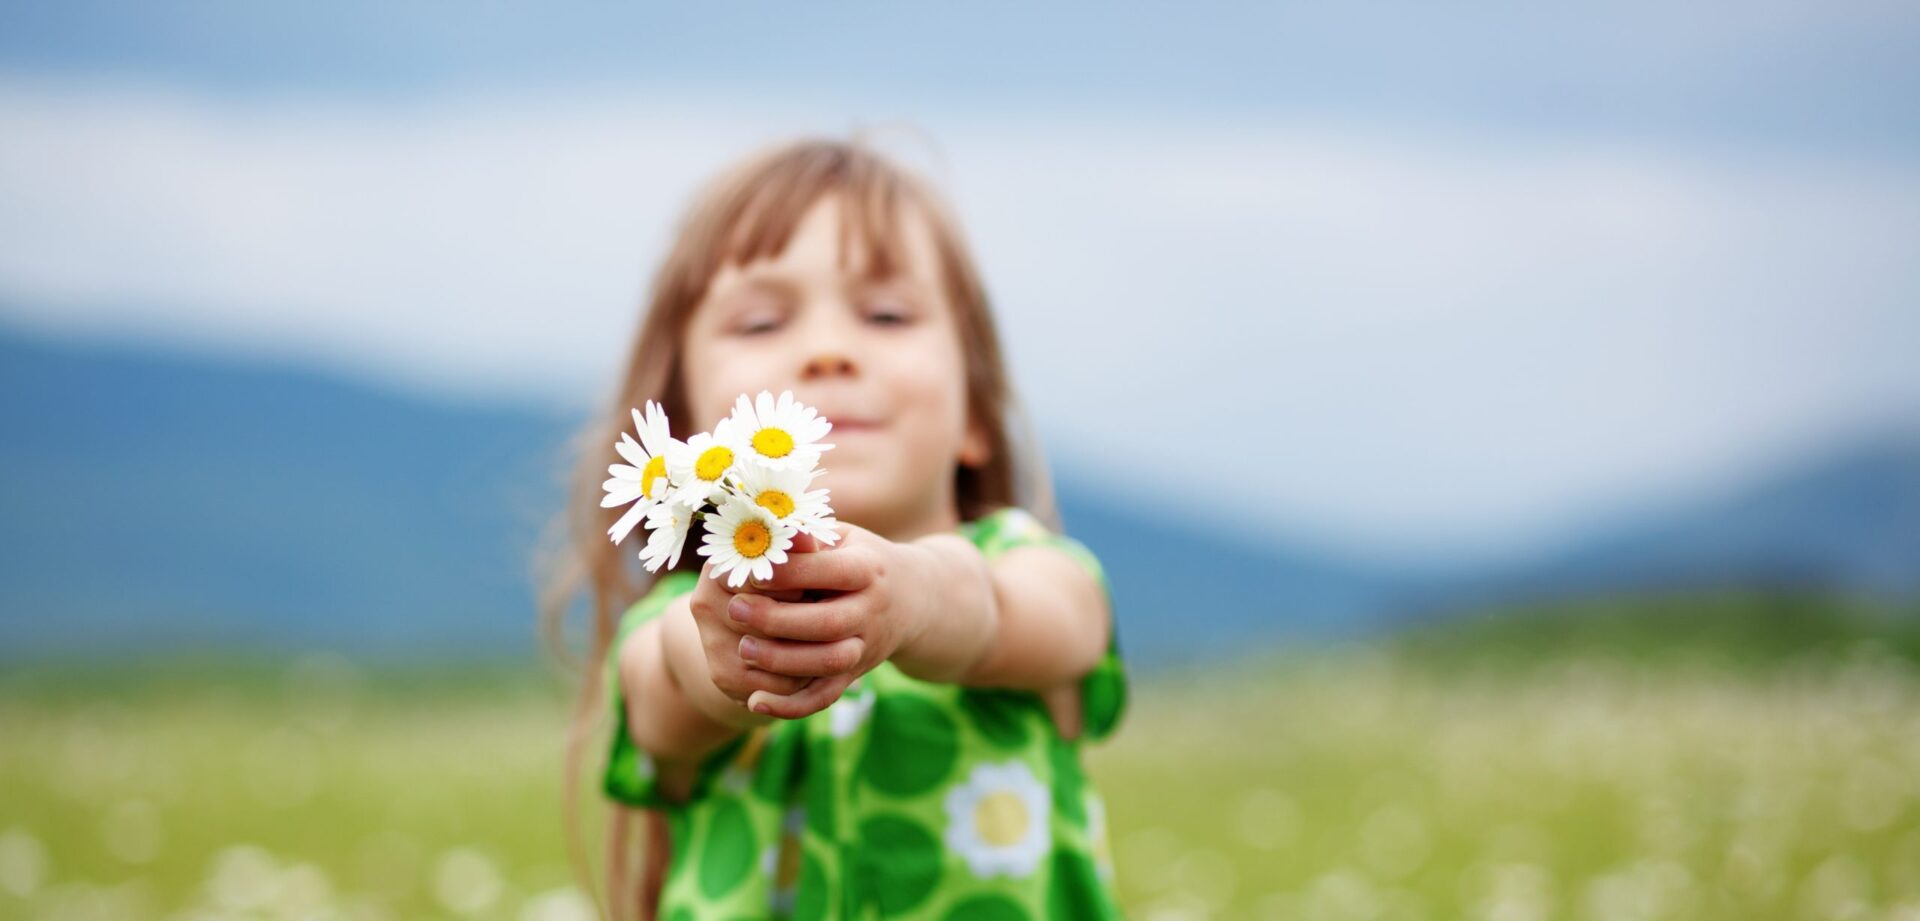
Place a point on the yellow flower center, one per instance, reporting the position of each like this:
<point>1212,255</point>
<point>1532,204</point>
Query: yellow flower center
<point>713,463</point>
<point>1000,818</point>
<point>751,539</point>
<point>773,442</point>
<point>775,501</point>
<point>655,469</point>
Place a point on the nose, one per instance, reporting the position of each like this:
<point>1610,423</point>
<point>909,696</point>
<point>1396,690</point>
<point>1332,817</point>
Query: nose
<point>827,341</point>
<point>828,362</point>
<point>826,347</point>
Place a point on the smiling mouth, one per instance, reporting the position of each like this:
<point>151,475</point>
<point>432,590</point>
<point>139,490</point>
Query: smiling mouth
<point>851,423</point>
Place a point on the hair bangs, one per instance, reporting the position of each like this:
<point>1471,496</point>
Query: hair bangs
<point>772,198</point>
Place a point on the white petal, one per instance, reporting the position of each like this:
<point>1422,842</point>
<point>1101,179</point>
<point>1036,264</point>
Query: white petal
<point>625,525</point>
<point>630,451</point>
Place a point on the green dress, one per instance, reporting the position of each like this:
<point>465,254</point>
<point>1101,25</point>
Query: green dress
<point>904,799</point>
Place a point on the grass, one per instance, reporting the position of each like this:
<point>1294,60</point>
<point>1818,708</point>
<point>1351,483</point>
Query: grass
<point>1495,769</point>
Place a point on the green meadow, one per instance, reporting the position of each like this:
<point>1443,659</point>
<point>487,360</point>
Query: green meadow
<point>1736,757</point>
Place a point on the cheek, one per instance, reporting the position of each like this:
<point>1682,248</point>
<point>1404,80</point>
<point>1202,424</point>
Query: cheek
<point>932,399</point>
<point>713,384</point>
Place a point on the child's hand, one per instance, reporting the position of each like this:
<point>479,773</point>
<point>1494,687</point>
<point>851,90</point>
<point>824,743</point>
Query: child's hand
<point>720,639</point>
<point>864,616</point>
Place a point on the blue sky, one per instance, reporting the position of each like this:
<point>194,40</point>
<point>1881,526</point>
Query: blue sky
<point>1425,281</point>
<point>1815,74</point>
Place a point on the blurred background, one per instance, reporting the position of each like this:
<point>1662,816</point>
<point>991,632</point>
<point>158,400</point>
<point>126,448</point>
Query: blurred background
<point>1501,424</point>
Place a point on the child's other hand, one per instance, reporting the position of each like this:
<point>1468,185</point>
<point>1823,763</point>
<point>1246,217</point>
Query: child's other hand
<point>860,619</point>
<point>720,640</point>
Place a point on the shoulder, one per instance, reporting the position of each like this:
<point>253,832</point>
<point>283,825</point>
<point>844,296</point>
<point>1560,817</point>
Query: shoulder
<point>1005,527</point>
<point>1010,527</point>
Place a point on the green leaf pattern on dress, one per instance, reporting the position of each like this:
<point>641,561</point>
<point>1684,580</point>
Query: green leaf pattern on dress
<point>904,799</point>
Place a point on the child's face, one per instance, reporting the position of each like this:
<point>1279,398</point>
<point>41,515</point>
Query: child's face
<point>881,361</point>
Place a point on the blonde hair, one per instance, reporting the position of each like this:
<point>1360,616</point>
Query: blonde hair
<point>746,213</point>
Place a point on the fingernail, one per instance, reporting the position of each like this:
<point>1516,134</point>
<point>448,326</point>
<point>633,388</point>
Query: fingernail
<point>737,609</point>
<point>749,649</point>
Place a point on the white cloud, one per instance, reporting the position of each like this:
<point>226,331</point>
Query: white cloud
<point>1420,341</point>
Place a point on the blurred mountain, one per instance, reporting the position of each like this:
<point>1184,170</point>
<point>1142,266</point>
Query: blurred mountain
<point>1185,593</point>
<point>153,501</point>
<point>159,501</point>
<point>1842,522</point>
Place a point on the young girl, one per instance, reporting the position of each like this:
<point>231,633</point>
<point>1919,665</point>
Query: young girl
<point>889,728</point>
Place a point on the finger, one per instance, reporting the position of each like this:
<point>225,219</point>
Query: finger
<point>706,586</point>
<point>810,621</point>
<point>802,659</point>
<point>757,679</point>
<point>785,595</point>
<point>839,572</point>
<point>815,697</point>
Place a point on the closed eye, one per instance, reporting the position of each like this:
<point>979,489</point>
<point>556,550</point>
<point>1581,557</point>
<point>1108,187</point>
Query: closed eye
<point>888,311</point>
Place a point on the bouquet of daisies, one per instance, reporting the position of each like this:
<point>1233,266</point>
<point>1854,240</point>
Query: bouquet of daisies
<point>746,481</point>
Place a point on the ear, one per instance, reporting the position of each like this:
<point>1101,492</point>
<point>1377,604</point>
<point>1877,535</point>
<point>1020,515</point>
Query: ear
<point>975,449</point>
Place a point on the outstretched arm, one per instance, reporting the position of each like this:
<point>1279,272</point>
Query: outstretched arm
<point>1030,618</point>
<point>685,685</point>
<point>671,711</point>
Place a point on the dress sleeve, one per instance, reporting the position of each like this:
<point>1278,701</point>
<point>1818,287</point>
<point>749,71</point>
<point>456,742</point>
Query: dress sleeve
<point>631,776</point>
<point>1103,690</point>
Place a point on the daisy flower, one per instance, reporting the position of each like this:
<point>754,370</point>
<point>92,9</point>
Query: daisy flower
<point>700,465</point>
<point>782,435</point>
<point>997,820</point>
<point>667,524</point>
<point>643,480</point>
<point>783,493</point>
<point>744,540</point>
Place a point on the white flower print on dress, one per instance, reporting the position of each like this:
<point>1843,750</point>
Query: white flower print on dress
<point>846,714</point>
<point>998,820</point>
<point>735,778</point>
